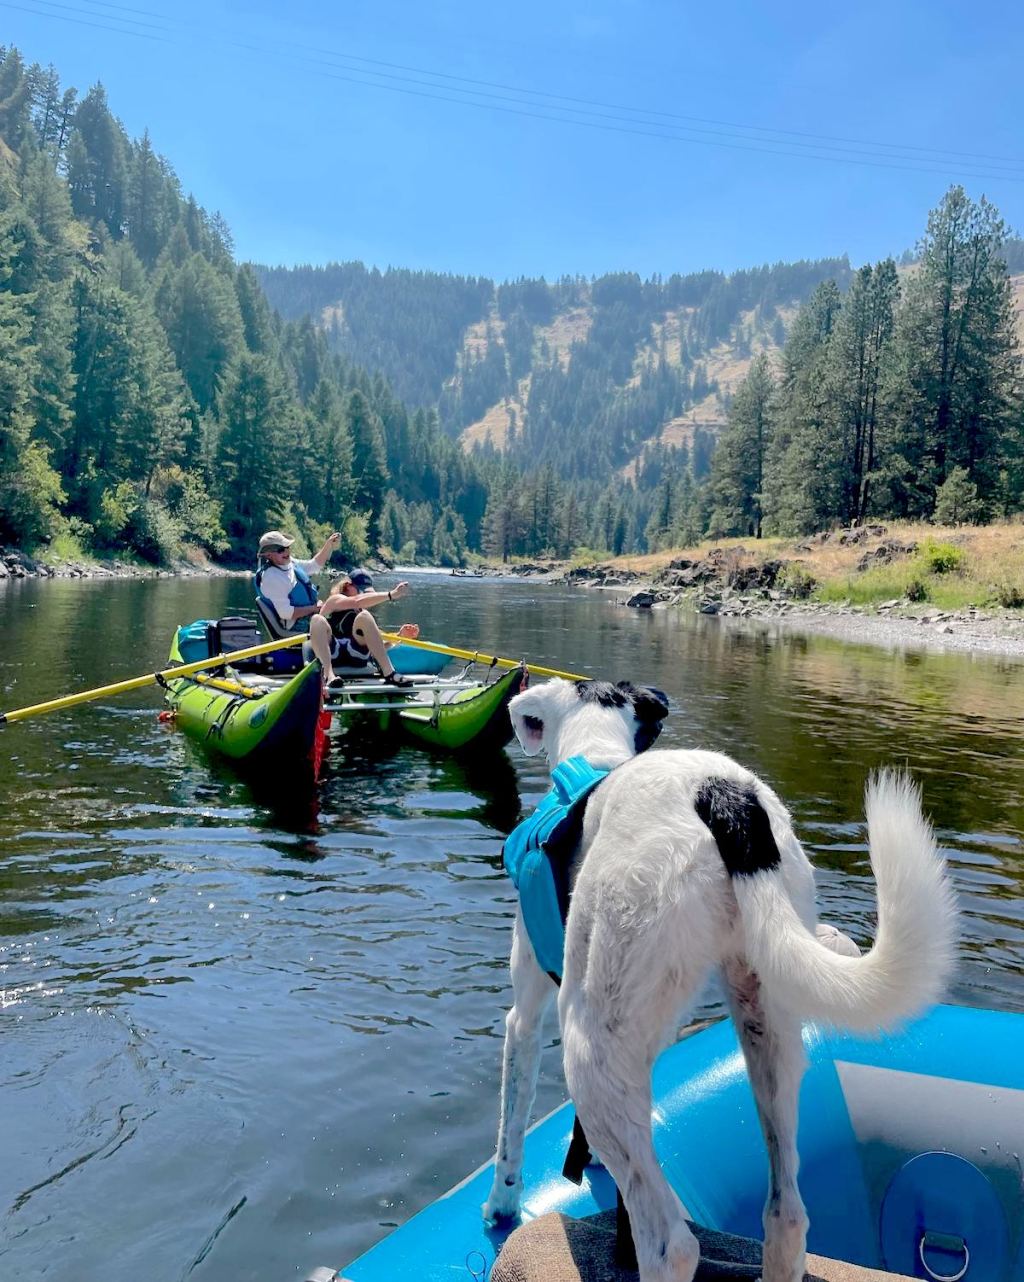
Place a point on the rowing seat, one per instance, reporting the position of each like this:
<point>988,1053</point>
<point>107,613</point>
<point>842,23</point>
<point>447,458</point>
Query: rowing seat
<point>271,621</point>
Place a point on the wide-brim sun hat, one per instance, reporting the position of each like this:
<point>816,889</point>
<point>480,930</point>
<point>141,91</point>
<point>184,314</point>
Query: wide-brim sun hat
<point>274,538</point>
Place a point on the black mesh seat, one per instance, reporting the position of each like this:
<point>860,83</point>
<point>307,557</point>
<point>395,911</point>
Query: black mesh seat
<point>270,620</point>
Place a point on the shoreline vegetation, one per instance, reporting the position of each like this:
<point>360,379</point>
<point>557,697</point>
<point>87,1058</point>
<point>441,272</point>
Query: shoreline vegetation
<point>905,583</point>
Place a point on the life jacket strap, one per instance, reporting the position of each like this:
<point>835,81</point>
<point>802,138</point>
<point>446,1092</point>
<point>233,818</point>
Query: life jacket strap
<point>577,1155</point>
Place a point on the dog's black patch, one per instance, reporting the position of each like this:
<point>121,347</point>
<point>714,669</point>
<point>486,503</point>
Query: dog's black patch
<point>650,706</point>
<point>739,825</point>
<point>601,692</point>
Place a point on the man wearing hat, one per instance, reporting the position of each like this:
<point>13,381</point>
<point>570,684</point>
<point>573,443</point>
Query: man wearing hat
<point>285,585</point>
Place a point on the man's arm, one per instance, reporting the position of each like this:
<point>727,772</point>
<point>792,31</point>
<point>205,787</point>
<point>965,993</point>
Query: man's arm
<point>332,542</point>
<point>364,601</point>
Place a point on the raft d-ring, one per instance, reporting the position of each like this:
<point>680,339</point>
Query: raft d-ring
<point>477,1271</point>
<point>943,1242</point>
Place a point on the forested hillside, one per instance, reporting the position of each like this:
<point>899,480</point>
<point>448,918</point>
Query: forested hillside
<point>584,375</point>
<point>619,390</point>
<point>150,401</point>
<point>153,401</point>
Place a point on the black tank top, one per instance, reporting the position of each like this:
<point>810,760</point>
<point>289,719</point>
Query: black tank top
<point>342,623</point>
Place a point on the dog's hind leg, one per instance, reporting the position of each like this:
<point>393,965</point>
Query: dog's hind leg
<point>609,1047</point>
<point>773,1049</point>
<point>532,992</point>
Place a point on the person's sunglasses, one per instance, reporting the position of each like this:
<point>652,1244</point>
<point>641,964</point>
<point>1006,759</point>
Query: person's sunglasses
<point>274,548</point>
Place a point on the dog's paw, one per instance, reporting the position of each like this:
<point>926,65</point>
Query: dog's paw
<point>503,1203</point>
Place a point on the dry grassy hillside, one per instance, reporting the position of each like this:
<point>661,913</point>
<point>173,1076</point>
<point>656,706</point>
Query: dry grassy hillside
<point>726,365</point>
<point>567,328</point>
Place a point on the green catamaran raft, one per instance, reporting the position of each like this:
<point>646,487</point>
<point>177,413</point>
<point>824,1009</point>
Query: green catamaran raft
<point>252,714</point>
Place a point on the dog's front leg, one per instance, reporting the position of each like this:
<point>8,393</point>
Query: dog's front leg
<point>532,992</point>
<point>774,1051</point>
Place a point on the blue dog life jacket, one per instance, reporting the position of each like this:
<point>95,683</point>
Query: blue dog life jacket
<point>537,854</point>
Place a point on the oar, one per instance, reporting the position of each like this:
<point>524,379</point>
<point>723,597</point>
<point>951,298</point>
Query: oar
<point>476,657</point>
<point>151,678</point>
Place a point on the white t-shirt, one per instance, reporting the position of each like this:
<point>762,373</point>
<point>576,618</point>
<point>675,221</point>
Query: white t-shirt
<point>277,583</point>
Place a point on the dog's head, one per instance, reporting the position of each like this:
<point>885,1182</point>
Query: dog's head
<point>605,723</point>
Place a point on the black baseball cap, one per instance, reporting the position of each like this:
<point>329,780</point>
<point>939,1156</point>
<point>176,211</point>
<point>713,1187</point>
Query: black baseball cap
<point>361,579</point>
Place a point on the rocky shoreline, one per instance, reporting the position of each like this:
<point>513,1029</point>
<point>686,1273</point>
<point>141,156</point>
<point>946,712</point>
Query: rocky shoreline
<point>717,585</point>
<point>16,565</point>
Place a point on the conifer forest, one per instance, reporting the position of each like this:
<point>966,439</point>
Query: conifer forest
<point>159,399</point>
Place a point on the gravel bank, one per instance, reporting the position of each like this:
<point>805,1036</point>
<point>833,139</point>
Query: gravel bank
<point>907,630</point>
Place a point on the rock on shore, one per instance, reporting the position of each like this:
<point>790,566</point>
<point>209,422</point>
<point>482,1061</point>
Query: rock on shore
<point>15,564</point>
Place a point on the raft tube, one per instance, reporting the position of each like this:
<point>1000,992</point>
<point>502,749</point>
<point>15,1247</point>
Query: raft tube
<point>277,726</point>
<point>910,1155</point>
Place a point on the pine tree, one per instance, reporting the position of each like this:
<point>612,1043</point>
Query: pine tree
<point>251,456</point>
<point>737,469</point>
<point>800,464</point>
<point>30,490</point>
<point>504,523</point>
<point>954,377</point>
<point>98,163</point>
<point>369,458</point>
<point>257,324</point>
<point>449,542</point>
<point>956,502</point>
<point>15,99</point>
<point>851,382</point>
<point>326,483</point>
<point>198,308</point>
<point>146,208</point>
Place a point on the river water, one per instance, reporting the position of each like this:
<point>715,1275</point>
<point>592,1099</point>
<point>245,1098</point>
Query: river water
<point>244,1034</point>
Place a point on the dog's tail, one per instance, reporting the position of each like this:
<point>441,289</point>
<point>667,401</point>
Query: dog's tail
<point>914,947</point>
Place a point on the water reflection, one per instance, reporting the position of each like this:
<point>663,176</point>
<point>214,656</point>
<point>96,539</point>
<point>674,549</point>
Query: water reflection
<point>281,1008</point>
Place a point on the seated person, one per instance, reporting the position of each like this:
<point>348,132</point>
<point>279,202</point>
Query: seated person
<point>286,587</point>
<point>354,631</point>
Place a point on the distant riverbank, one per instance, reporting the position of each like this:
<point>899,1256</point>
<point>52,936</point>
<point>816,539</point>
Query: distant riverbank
<point>906,585</point>
<point>15,565</point>
<point>909,586</point>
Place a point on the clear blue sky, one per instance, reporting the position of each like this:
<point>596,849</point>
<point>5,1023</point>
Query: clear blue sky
<point>266,113</point>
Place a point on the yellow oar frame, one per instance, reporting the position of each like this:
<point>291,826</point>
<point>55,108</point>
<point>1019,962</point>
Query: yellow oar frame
<point>221,660</point>
<point>151,678</point>
<point>474,656</point>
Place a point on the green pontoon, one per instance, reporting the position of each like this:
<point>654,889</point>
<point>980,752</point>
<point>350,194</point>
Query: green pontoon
<point>275,724</point>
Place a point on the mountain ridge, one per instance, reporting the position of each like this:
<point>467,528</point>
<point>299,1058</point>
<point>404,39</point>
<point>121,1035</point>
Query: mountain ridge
<point>659,359</point>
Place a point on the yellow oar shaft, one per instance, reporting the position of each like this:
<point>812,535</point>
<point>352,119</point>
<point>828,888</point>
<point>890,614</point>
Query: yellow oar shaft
<point>137,683</point>
<point>476,656</point>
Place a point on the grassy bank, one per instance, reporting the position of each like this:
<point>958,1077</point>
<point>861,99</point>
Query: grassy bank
<point>951,568</point>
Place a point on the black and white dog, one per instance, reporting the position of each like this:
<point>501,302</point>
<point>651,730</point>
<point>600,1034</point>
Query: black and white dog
<point>688,861</point>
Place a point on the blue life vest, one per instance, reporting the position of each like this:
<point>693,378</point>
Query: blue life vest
<point>537,855</point>
<point>303,593</point>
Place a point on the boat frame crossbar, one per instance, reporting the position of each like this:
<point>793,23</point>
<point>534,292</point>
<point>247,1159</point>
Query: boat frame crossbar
<point>359,695</point>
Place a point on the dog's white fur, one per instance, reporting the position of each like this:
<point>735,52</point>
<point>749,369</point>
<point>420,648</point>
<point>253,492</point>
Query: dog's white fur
<point>653,909</point>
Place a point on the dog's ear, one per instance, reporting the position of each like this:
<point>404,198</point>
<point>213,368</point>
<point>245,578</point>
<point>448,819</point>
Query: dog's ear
<point>650,707</point>
<point>527,713</point>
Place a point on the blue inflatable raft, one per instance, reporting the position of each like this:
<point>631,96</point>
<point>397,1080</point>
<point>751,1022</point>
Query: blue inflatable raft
<point>911,1151</point>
